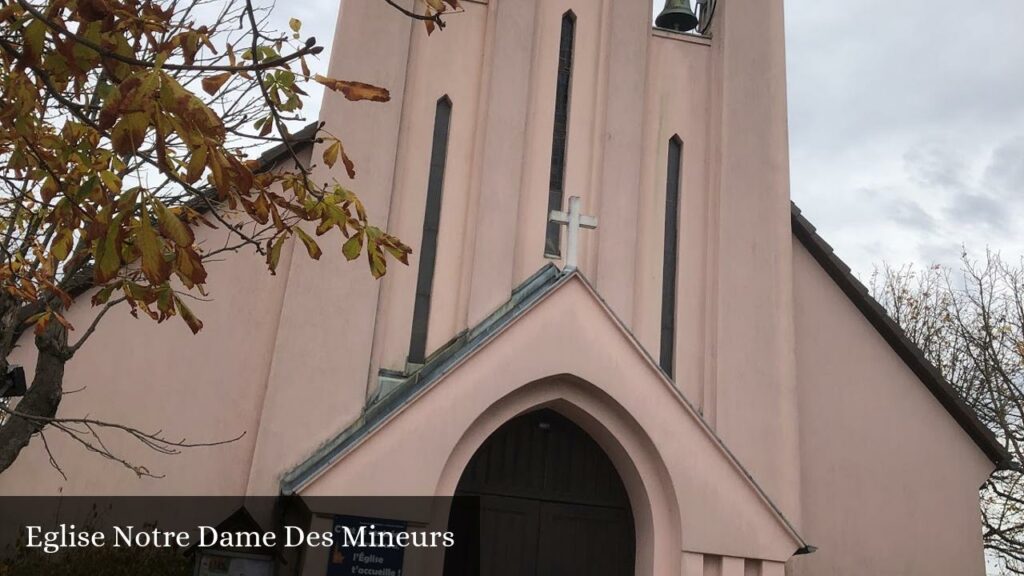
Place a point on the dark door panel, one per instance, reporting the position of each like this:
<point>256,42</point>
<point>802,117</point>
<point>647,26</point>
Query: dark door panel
<point>585,540</point>
<point>548,502</point>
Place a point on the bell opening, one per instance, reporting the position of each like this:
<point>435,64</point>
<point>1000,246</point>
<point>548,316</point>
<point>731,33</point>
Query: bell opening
<point>679,22</point>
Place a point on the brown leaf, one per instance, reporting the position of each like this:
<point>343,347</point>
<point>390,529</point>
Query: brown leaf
<point>93,10</point>
<point>128,134</point>
<point>211,84</point>
<point>261,209</point>
<point>350,167</point>
<point>429,24</point>
<point>48,190</point>
<point>378,265</point>
<point>397,250</point>
<point>194,323</point>
<point>189,267</point>
<point>355,91</point>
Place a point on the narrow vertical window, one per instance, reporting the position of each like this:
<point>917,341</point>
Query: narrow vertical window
<point>431,225</point>
<point>670,263</point>
<point>556,187</point>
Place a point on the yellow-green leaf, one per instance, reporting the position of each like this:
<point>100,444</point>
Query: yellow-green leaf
<point>273,252</point>
<point>103,295</point>
<point>171,226</point>
<point>311,246</point>
<point>353,246</point>
<point>35,36</point>
<point>154,266</point>
<point>196,164</point>
<point>331,153</point>
<point>62,242</point>
<point>111,181</point>
<point>108,252</point>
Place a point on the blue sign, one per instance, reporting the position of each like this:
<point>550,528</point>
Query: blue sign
<point>365,547</point>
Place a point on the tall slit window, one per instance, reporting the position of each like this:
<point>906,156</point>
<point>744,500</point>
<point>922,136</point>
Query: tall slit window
<point>556,187</point>
<point>431,225</point>
<point>670,263</point>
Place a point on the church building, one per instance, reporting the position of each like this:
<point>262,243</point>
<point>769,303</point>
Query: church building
<point>615,327</point>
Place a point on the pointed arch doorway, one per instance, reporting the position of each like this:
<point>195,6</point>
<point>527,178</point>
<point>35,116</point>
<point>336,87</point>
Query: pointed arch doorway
<point>551,503</point>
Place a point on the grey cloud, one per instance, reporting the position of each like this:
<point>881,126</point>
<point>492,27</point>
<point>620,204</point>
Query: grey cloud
<point>910,214</point>
<point>936,164</point>
<point>978,210</point>
<point>1005,172</point>
<point>891,204</point>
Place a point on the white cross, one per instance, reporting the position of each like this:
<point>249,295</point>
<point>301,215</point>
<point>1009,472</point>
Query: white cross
<point>573,220</point>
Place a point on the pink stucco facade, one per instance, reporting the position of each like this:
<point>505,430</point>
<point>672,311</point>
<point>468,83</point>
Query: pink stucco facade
<point>789,421</point>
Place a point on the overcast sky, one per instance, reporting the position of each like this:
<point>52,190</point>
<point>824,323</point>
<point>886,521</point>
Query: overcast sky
<point>906,123</point>
<point>907,126</point>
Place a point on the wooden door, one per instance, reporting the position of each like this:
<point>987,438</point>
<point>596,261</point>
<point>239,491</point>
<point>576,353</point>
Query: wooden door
<point>545,500</point>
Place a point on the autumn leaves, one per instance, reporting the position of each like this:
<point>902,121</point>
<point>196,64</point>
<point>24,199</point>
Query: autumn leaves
<point>109,157</point>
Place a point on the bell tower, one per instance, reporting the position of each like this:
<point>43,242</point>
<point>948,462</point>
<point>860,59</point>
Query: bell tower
<point>751,397</point>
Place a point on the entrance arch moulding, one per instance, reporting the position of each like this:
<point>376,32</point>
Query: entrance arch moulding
<point>643,472</point>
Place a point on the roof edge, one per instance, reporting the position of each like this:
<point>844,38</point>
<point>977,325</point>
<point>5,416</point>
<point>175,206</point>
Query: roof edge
<point>439,364</point>
<point>897,339</point>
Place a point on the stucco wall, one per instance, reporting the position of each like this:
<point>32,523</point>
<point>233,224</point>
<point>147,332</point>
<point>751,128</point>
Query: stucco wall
<point>207,387</point>
<point>889,479</point>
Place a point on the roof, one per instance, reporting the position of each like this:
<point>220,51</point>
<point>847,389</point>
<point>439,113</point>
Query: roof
<point>279,152</point>
<point>898,340</point>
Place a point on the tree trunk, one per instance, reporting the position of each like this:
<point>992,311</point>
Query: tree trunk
<point>42,398</point>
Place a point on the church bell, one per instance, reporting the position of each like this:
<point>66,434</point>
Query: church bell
<point>677,15</point>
